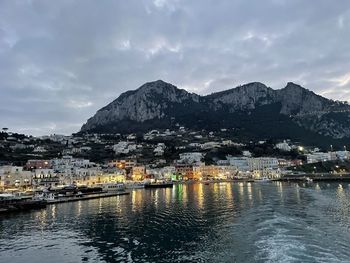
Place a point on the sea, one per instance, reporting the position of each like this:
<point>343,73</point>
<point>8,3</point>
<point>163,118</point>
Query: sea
<point>193,222</point>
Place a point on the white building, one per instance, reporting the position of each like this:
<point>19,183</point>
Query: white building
<point>283,146</point>
<point>39,149</point>
<point>159,150</point>
<point>14,176</point>
<point>190,157</point>
<point>247,154</point>
<point>342,155</point>
<point>241,163</point>
<point>253,165</point>
<point>124,147</point>
<point>262,163</point>
<point>318,157</point>
<point>45,177</point>
<point>121,147</point>
<point>210,145</point>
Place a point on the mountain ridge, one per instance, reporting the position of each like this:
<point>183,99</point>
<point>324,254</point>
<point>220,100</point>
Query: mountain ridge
<point>159,104</point>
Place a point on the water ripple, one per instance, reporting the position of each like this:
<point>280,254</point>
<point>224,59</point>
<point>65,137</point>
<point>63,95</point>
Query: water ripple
<point>190,223</point>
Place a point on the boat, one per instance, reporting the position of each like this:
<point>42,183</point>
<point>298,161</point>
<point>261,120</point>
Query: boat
<point>52,194</point>
<point>112,187</point>
<point>206,182</point>
<point>135,185</point>
<point>159,185</point>
<point>309,180</point>
<point>263,180</point>
<point>13,203</point>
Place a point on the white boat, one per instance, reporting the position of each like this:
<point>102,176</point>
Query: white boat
<point>309,180</point>
<point>264,180</point>
<point>135,185</point>
<point>112,187</point>
<point>46,196</point>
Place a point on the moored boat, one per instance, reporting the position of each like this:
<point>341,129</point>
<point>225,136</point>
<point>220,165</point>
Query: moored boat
<point>135,185</point>
<point>309,180</point>
<point>263,180</point>
<point>12,203</point>
<point>112,187</point>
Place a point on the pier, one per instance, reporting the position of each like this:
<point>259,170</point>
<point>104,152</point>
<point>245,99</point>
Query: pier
<point>316,178</point>
<point>87,197</point>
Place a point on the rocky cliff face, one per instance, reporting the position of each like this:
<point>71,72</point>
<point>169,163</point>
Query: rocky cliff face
<point>150,101</point>
<point>158,102</point>
<point>293,98</point>
<point>244,97</point>
<point>297,100</point>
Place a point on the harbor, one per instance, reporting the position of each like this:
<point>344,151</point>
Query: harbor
<point>17,202</point>
<point>22,201</point>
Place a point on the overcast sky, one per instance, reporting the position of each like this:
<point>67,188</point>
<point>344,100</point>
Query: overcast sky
<point>60,61</point>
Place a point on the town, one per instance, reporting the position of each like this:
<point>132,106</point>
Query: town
<point>28,162</point>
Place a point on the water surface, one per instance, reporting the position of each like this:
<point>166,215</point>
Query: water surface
<point>222,222</point>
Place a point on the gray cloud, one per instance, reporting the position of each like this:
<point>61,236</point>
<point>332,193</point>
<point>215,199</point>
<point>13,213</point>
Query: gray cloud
<point>60,61</point>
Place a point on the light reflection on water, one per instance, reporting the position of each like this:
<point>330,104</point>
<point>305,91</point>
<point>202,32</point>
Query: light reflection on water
<point>222,222</point>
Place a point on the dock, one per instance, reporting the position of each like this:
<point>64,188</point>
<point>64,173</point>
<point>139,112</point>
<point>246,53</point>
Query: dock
<point>87,197</point>
<point>316,178</point>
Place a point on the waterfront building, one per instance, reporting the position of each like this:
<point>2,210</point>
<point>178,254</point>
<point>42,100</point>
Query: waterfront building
<point>240,163</point>
<point>164,173</point>
<point>168,172</point>
<point>214,172</point>
<point>138,173</point>
<point>79,175</point>
<point>271,173</point>
<point>254,167</point>
<point>45,177</point>
<point>185,171</point>
<point>14,177</point>
<point>104,178</point>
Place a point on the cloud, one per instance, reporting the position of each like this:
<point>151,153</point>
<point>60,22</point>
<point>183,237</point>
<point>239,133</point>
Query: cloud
<point>60,61</point>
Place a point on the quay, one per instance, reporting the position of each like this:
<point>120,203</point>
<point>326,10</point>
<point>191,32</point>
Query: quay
<point>87,197</point>
<point>235,180</point>
<point>316,178</point>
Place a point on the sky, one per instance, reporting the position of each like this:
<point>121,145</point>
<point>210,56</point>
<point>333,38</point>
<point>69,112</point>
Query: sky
<point>61,61</point>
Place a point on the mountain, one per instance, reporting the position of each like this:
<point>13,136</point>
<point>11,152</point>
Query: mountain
<point>253,110</point>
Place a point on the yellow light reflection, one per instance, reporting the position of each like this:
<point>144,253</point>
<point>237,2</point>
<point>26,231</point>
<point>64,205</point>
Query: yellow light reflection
<point>250,194</point>
<point>200,195</point>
